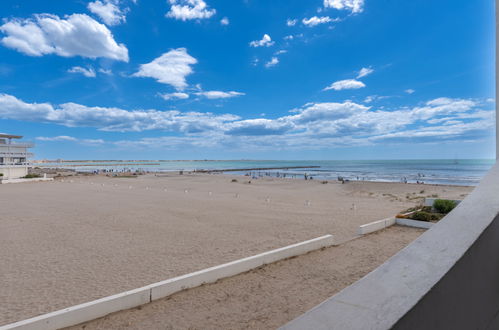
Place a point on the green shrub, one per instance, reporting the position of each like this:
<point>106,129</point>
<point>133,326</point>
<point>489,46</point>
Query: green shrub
<point>31,176</point>
<point>1,174</point>
<point>421,216</point>
<point>444,205</point>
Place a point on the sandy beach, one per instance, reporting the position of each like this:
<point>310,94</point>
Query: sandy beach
<point>67,242</point>
<point>268,297</point>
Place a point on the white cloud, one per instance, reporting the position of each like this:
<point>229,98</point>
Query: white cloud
<point>57,138</point>
<point>273,62</point>
<point>370,98</point>
<point>75,35</point>
<point>106,71</point>
<point>265,42</point>
<point>171,68</point>
<point>291,22</point>
<point>345,84</point>
<point>189,9</point>
<point>111,119</point>
<point>65,138</point>
<point>443,106</point>
<point>175,96</point>
<point>410,91</point>
<point>315,125</point>
<point>279,52</point>
<point>259,126</point>
<point>219,94</point>
<point>90,72</point>
<point>108,11</point>
<point>314,21</point>
<point>225,21</point>
<point>355,6</point>
<point>365,72</point>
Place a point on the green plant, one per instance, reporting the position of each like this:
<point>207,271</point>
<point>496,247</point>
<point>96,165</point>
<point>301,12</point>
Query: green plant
<point>444,205</point>
<point>1,174</point>
<point>31,176</point>
<point>421,216</point>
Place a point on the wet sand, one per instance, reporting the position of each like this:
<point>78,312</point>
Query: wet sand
<point>65,243</point>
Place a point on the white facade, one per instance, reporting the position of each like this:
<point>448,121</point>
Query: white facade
<point>13,157</point>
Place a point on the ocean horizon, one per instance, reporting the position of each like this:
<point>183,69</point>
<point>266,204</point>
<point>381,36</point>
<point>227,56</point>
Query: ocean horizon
<point>466,172</point>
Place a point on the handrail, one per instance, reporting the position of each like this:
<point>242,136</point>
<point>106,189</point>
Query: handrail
<point>448,278</point>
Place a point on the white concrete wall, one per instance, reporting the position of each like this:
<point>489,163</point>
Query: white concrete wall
<point>414,223</point>
<point>13,172</point>
<point>375,226</point>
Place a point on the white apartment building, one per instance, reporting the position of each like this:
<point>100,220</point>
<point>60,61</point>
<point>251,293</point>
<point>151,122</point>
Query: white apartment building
<point>13,157</point>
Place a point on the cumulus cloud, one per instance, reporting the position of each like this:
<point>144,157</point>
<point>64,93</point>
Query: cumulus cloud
<point>171,68</point>
<point>90,72</point>
<point>365,72</point>
<point>291,22</point>
<point>225,21</point>
<point>110,119</point>
<point>314,21</point>
<point>108,11</point>
<point>189,9</point>
<point>410,91</point>
<point>345,84</point>
<point>259,126</point>
<point>329,111</point>
<point>266,41</point>
<point>273,62</point>
<point>443,106</point>
<point>219,94</point>
<point>315,125</point>
<point>175,96</point>
<point>74,35</point>
<point>354,6</point>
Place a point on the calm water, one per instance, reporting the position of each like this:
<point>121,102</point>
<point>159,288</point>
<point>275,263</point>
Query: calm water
<point>455,172</point>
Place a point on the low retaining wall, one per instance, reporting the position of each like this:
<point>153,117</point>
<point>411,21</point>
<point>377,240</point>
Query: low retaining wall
<point>375,226</point>
<point>446,279</point>
<point>25,180</point>
<point>414,223</point>
<point>101,307</point>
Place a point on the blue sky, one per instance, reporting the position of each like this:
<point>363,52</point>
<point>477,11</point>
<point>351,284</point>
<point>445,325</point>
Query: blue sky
<point>220,79</point>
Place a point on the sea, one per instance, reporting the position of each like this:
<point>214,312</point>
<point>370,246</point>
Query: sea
<point>465,172</point>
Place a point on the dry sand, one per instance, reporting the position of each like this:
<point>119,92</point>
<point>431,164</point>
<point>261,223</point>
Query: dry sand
<point>65,243</point>
<point>268,297</point>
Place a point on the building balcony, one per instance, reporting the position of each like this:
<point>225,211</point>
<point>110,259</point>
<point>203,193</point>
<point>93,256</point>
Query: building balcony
<point>18,145</point>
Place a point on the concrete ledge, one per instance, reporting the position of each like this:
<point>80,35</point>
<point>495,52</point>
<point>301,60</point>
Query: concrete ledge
<point>446,279</point>
<point>84,312</point>
<point>375,226</point>
<point>414,223</point>
<point>129,299</point>
<point>210,275</point>
<point>4,181</point>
